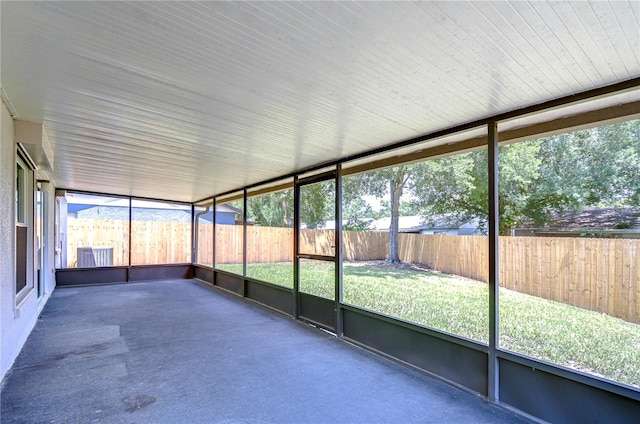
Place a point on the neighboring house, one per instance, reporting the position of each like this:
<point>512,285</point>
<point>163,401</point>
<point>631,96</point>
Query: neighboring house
<point>443,224</point>
<point>330,225</point>
<point>614,222</point>
<point>137,214</point>
<point>225,214</point>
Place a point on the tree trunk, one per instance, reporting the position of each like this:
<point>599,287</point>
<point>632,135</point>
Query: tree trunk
<point>395,190</point>
<point>505,230</point>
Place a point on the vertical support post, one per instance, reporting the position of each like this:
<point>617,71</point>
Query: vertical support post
<point>296,247</point>
<point>494,283</point>
<point>213,237</point>
<point>194,241</point>
<point>130,238</point>
<point>338,251</point>
<point>244,232</point>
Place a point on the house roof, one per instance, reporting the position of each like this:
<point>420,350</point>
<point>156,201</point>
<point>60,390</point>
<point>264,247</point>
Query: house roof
<point>416,223</point>
<point>594,217</point>
<point>185,100</point>
<point>224,207</point>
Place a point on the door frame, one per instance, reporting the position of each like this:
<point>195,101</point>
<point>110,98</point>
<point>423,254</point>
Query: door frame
<point>298,297</point>
<point>40,236</point>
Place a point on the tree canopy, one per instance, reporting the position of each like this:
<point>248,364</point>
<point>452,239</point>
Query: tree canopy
<point>276,209</point>
<point>594,167</point>
<point>272,209</point>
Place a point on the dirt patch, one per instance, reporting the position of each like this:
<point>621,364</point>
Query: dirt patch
<point>392,265</point>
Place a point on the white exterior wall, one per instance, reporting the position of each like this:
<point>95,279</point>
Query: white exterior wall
<point>18,319</point>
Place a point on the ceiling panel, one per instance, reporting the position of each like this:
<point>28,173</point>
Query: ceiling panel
<point>182,100</point>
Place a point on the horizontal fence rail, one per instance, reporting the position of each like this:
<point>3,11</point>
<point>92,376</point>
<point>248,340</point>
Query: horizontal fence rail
<point>596,274</point>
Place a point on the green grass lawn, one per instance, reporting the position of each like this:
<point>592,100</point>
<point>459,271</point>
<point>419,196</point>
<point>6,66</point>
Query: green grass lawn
<point>555,332</point>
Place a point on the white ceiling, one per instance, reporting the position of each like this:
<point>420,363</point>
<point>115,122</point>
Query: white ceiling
<point>182,100</point>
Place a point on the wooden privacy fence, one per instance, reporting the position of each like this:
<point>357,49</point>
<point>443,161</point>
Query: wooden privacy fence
<point>264,244</point>
<point>98,233</point>
<point>597,274</point>
<point>160,242</point>
<point>591,273</point>
<point>152,242</point>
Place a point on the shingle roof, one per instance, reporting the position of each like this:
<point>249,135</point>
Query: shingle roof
<point>595,217</point>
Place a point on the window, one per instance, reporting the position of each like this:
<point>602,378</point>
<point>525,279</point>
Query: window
<point>569,250</point>
<point>230,233</point>
<point>203,233</point>
<point>96,229</point>
<point>21,191</point>
<point>160,233</point>
<point>23,229</point>
<point>415,244</point>
<point>270,236</point>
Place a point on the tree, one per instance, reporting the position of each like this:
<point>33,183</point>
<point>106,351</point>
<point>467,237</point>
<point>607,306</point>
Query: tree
<point>355,213</point>
<point>597,166</point>
<point>317,204</point>
<point>276,209</point>
<point>593,167</point>
<point>393,182</point>
<point>272,209</point>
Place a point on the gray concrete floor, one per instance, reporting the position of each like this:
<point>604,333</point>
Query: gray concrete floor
<point>179,352</point>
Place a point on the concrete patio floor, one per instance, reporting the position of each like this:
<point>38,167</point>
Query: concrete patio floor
<point>177,351</point>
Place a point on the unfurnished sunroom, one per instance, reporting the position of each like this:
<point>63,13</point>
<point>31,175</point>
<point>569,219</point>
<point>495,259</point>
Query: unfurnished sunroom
<point>400,175</point>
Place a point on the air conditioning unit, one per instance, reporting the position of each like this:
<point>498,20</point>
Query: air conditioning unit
<point>91,257</point>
